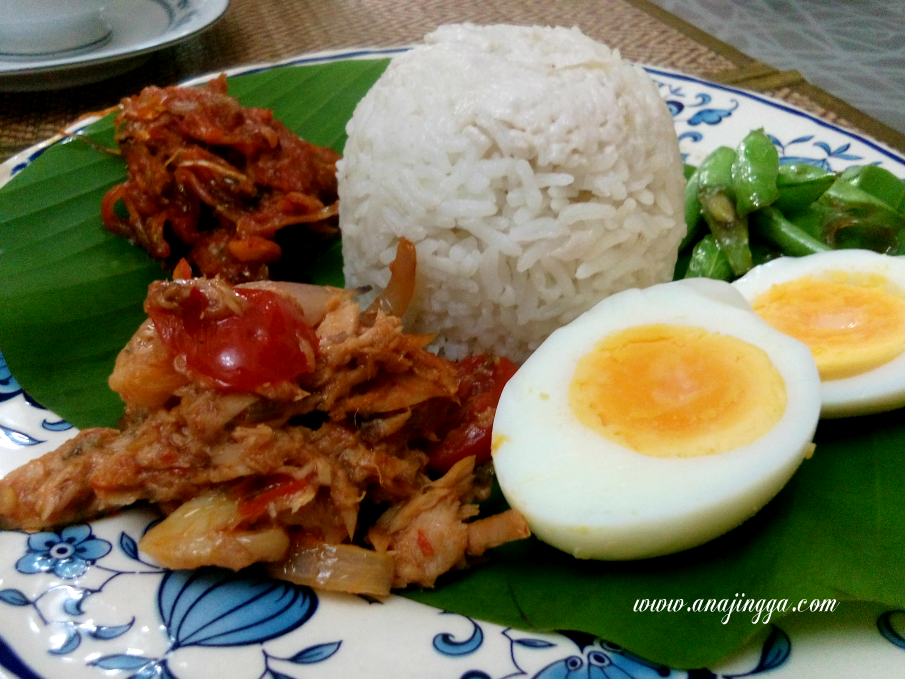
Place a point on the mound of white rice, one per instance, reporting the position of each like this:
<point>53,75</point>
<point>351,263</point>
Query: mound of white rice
<point>534,170</point>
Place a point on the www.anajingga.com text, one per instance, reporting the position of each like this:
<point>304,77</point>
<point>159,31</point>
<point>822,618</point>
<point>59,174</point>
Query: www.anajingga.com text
<point>762,609</point>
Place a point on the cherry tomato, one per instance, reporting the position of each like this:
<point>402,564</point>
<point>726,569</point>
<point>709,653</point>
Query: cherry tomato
<point>268,342</point>
<point>481,382</point>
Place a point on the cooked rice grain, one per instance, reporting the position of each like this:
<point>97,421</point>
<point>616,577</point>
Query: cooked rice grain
<point>534,170</point>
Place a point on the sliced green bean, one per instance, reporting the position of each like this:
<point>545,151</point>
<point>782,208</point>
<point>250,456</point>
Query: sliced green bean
<point>763,252</point>
<point>855,218</point>
<point>708,261</point>
<point>693,218</point>
<point>798,208</point>
<point>716,170</point>
<point>879,183</point>
<point>717,200</point>
<point>810,220</point>
<point>800,184</point>
<point>754,173</point>
<point>772,226</point>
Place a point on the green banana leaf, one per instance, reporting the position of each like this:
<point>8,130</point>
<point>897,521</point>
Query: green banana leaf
<point>71,296</point>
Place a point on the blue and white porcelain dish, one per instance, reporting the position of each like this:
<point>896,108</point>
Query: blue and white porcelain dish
<point>84,603</point>
<point>163,23</point>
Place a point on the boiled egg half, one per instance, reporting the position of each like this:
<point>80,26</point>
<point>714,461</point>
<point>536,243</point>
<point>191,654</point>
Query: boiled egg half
<point>655,422</point>
<point>848,306</point>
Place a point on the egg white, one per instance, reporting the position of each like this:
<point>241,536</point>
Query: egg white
<point>877,390</point>
<point>593,498</point>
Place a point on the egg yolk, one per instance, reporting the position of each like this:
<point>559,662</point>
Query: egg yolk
<point>677,391</point>
<point>852,323</point>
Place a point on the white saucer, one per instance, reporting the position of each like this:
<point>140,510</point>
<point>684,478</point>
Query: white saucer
<point>162,23</point>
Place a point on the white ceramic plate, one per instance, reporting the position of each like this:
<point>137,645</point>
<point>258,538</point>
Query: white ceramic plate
<point>160,23</point>
<point>85,604</point>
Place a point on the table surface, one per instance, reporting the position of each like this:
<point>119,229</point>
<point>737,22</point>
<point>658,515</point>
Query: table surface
<point>255,31</point>
<point>852,49</point>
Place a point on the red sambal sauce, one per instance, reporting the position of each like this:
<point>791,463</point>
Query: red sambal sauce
<point>481,382</point>
<point>216,182</point>
<point>266,342</point>
<point>256,493</point>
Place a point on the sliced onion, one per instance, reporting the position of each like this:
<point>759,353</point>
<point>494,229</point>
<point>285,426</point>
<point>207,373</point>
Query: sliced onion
<point>144,374</point>
<point>202,532</point>
<point>340,568</point>
<point>399,291</point>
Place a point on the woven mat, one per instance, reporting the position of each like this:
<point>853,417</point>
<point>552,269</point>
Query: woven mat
<point>257,31</point>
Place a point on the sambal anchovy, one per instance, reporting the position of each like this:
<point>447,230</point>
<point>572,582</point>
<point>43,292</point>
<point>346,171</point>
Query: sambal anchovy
<point>215,182</point>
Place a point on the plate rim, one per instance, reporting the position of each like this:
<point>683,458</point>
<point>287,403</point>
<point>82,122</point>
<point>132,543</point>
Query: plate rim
<point>775,102</point>
<point>8,167</point>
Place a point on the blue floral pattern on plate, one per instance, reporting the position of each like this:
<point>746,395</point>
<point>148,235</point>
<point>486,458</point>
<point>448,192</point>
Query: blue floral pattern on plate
<point>205,608</point>
<point>84,603</point>
<point>68,554</point>
<point>9,387</point>
<point>19,437</point>
<point>212,608</point>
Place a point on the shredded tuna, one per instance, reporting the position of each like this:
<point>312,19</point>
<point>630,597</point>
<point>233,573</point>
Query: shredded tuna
<point>336,455</point>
